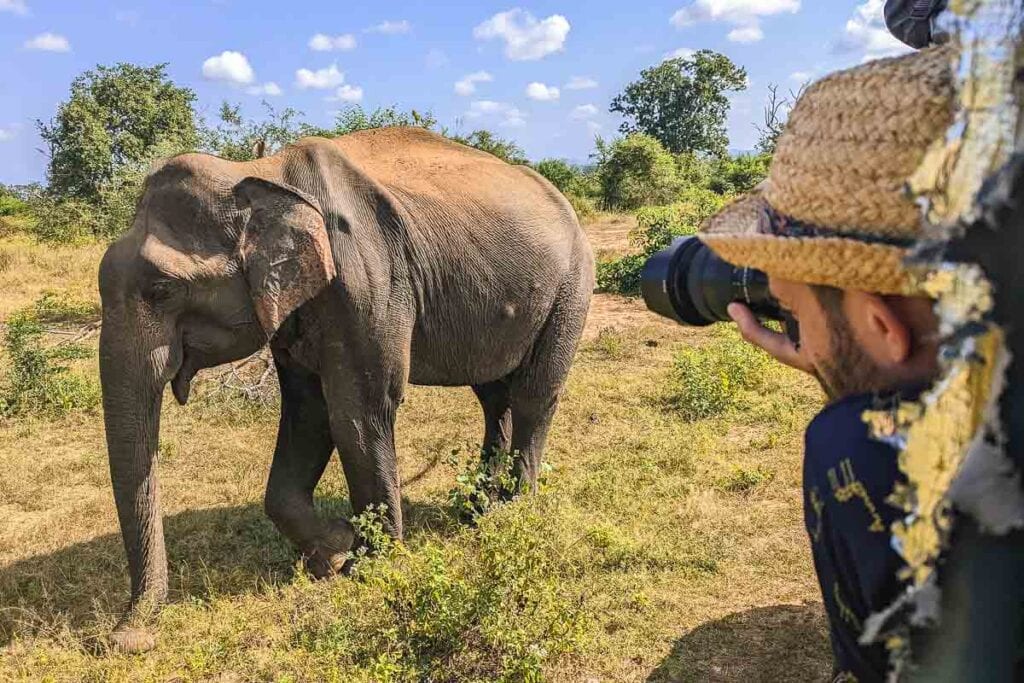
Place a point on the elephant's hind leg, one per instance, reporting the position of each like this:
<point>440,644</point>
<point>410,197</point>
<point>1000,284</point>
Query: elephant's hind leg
<point>535,387</point>
<point>497,406</point>
<point>304,447</point>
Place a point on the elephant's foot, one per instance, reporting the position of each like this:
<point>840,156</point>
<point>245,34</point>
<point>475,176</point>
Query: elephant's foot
<point>133,633</point>
<point>328,554</point>
<point>132,640</point>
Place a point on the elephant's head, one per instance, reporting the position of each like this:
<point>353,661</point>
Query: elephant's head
<point>218,256</point>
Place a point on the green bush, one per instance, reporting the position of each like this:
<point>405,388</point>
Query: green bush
<point>708,381</point>
<point>479,483</point>
<point>656,227</point>
<point>560,173</point>
<point>11,205</point>
<point>620,275</point>
<point>37,382</point>
<point>739,174</point>
<point>63,221</point>
<point>636,171</point>
<point>498,607</point>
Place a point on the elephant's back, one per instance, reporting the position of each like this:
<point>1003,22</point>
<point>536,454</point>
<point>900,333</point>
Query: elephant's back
<point>429,172</point>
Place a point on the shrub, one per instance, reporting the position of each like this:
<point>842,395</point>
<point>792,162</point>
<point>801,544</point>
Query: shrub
<point>620,275</point>
<point>708,381</point>
<point>560,173</point>
<point>37,381</point>
<point>480,483</point>
<point>63,221</point>
<point>498,607</point>
<point>739,174</point>
<point>636,171</point>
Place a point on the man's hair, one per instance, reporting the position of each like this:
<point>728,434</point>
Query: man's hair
<point>831,299</point>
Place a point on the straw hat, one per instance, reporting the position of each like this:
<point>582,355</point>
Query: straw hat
<point>834,209</point>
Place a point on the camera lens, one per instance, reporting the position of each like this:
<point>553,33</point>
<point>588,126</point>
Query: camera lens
<point>688,283</point>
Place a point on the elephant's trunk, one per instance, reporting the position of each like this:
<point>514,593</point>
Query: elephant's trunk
<point>132,377</point>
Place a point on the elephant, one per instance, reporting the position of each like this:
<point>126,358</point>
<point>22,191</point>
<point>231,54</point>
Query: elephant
<point>368,262</point>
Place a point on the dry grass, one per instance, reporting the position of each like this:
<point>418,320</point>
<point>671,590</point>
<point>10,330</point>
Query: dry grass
<point>683,540</point>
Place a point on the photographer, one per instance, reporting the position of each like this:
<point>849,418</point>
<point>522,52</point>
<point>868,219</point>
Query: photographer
<point>831,227</point>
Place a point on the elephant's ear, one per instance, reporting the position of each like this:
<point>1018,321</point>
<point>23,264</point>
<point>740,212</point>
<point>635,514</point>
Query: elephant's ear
<point>286,256</point>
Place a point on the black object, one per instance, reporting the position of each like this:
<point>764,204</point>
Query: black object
<point>688,283</point>
<point>911,20</point>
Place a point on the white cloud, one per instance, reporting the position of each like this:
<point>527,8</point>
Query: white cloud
<point>49,42</point>
<point>270,89</point>
<point>347,93</point>
<point>593,127</point>
<point>681,53</point>
<point>514,118</point>
<point>865,33</point>
<point>584,111</point>
<point>510,116</point>
<point>542,93</point>
<point>745,34</point>
<point>14,6</point>
<point>6,134</point>
<point>580,83</point>
<point>321,42</point>
<point>467,86</point>
<point>801,76</point>
<point>744,15</point>
<point>321,79</point>
<point>525,37</point>
<point>479,108</point>
<point>391,28</point>
<point>230,66</point>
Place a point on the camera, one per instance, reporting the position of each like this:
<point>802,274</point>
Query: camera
<point>688,283</point>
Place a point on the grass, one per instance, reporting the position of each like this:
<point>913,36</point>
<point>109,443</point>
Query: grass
<point>662,547</point>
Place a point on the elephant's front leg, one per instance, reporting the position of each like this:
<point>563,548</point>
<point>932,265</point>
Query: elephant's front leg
<point>304,447</point>
<point>362,403</point>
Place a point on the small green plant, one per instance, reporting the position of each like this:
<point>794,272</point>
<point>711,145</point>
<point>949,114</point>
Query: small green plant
<point>37,381</point>
<point>608,344</point>
<point>482,481</point>
<point>369,528</point>
<point>708,381</point>
<point>743,479</point>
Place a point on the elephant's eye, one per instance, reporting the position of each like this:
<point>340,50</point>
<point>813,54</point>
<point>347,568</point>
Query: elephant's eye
<point>160,291</point>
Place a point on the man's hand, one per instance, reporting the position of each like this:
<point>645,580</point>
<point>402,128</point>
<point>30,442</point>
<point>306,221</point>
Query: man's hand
<point>778,345</point>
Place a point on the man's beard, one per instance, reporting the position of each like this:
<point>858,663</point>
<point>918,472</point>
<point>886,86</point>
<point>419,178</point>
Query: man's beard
<point>848,370</point>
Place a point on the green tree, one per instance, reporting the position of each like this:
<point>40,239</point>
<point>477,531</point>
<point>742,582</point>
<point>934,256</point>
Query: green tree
<point>636,171</point>
<point>240,140</point>
<point>683,102</point>
<point>561,174</point>
<point>116,116</point>
<point>486,141</point>
<point>355,118</point>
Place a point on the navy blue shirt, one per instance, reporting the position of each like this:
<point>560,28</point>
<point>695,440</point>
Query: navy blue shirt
<point>848,477</point>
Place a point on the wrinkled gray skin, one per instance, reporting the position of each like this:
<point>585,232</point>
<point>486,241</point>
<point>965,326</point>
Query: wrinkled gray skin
<point>370,261</point>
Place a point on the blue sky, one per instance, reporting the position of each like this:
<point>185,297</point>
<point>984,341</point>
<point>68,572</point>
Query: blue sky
<point>540,72</point>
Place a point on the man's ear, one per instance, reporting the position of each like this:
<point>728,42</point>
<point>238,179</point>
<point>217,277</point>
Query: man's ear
<point>882,331</point>
<point>286,256</point>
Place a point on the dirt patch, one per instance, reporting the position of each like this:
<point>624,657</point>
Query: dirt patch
<point>609,233</point>
<point>610,311</point>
